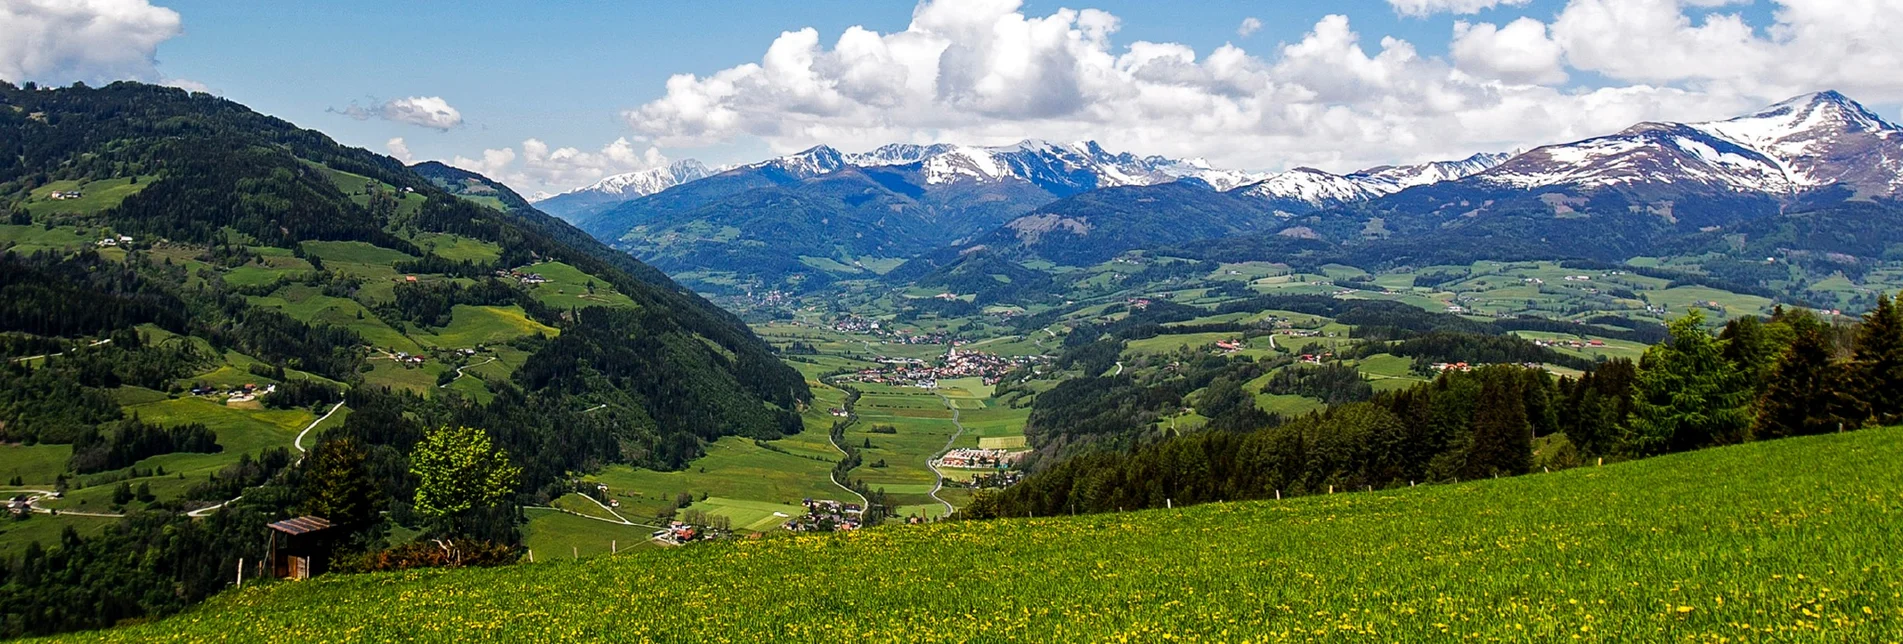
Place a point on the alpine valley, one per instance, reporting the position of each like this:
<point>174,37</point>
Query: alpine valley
<point>255,380</point>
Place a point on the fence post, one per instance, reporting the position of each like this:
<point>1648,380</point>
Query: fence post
<point>614,547</point>
<point>241,572</point>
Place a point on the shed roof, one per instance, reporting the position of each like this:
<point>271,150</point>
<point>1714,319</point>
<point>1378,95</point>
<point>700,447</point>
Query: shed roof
<point>301,525</point>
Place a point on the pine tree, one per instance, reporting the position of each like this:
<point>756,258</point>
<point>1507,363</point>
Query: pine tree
<point>1807,393</point>
<point>338,486</point>
<point>1688,395</point>
<point>1878,362</point>
<point>1502,437</point>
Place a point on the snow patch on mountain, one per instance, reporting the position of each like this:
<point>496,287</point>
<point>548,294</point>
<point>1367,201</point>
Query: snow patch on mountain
<point>1807,142</point>
<point>1390,179</point>
<point>1311,186</point>
<point>639,183</point>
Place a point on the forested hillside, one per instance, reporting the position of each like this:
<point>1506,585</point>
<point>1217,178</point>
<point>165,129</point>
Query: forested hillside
<point>194,296</point>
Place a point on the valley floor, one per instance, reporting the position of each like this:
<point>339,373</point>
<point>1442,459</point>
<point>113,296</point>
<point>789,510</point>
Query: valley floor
<point>1792,540</point>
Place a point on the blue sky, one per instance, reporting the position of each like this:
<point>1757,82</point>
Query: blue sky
<point>567,74</point>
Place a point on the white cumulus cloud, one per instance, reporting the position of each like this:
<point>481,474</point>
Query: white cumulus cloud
<point>986,72</point>
<point>1249,26</point>
<point>1520,52</point>
<point>1423,8</point>
<point>422,111</point>
<point>96,41</point>
<point>400,149</point>
<point>543,167</point>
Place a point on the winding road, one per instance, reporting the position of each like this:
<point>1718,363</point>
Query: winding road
<point>299,441</point>
<point>49,355</point>
<point>459,371</point>
<point>930,461</point>
<point>834,477</point>
<point>296,442</point>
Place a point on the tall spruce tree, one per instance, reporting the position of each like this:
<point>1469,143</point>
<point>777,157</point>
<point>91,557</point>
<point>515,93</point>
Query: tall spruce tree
<point>1502,436</point>
<point>1807,393</point>
<point>1878,362</point>
<point>1688,395</point>
<point>338,486</point>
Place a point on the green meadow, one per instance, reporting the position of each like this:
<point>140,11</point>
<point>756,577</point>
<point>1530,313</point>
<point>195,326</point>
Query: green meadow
<point>1791,540</point>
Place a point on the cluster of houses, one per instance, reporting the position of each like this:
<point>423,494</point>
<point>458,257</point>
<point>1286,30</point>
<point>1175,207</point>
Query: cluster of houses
<point>973,458</point>
<point>523,277</point>
<point>406,359</point>
<point>20,505</point>
<point>912,372</point>
<point>826,515</point>
<point>114,240</point>
<point>770,298</point>
<point>1570,344</point>
<point>239,394</point>
<point>866,326</point>
<point>1462,366</point>
<point>1315,358</point>
<point>678,533</point>
<point>1229,346</point>
<point>64,195</point>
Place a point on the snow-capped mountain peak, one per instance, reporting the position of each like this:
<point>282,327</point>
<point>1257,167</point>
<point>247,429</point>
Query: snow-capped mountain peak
<point>1807,142</point>
<point>642,182</point>
<point>1063,168</point>
<point>811,162</point>
<point>1312,187</point>
<point>1391,178</point>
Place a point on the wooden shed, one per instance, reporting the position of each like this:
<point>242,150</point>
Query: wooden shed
<point>300,547</point>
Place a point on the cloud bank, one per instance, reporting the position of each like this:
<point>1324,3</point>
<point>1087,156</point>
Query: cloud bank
<point>562,168</point>
<point>986,72</point>
<point>57,42</point>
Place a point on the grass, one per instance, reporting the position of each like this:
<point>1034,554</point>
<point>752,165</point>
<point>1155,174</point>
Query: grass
<point>34,464</point>
<point>1791,540</point>
<point>733,468</point>
<point>15,535</point>
<point>98,196</point>
<point>554,535</point>
<point>30,239</point>
<point>749,516</point>
<point>473,325</point>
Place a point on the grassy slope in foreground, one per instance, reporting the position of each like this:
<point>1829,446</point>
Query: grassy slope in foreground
<point>1786,540</point>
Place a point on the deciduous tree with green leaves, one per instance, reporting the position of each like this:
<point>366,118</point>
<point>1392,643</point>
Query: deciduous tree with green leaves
<point>458,471</point>
<point>1688,395</point>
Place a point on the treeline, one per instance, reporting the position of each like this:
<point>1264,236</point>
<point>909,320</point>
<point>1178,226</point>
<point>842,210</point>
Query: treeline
<point>433,303</point>
<point>1758,379</point>
<point>301,393</point>
<point>64,396</point>
<point>1463,426</point>
<point>1119,411</point>
<point>131,440</point>
<point>1333,383</point>
<point>1441,346</point>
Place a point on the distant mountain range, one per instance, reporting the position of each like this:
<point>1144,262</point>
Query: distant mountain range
<point>578,204</point>
<point>820,214</point>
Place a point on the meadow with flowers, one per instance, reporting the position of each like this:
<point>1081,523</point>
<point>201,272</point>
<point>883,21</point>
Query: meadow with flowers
<point>1787,540</point>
